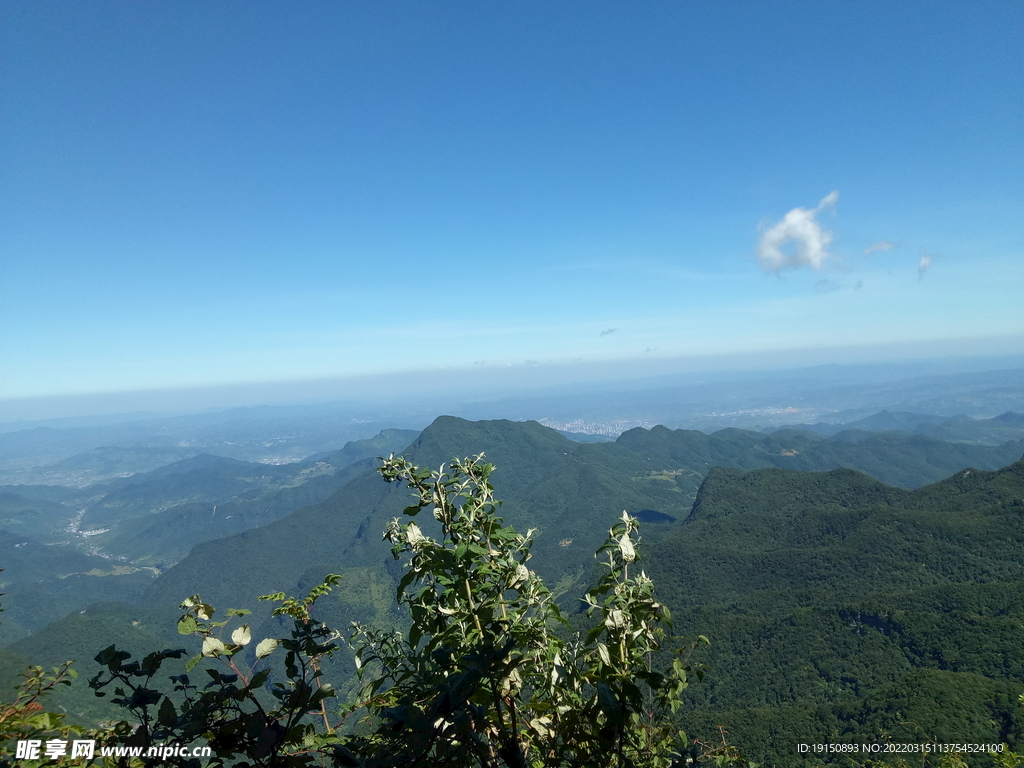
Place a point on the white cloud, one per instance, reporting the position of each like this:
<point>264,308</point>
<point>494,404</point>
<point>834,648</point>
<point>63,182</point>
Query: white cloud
<point>923,264</point>
<point>881,245</point>
<point>810,241</point>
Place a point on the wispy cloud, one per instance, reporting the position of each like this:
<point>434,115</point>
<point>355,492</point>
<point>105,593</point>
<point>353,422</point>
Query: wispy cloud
<point>826,286</point>
<point>799,227</point>
<point>609,332</point>
<point>881,245</point>
<point>923,264</point>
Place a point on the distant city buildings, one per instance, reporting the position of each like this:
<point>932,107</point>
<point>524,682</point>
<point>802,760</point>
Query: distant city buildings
<point>608,429</point>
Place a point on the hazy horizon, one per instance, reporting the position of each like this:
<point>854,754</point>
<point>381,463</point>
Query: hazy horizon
<point>423,388</point>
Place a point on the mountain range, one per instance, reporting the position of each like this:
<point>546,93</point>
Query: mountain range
<point>848,583</point>
<point>964,429</point>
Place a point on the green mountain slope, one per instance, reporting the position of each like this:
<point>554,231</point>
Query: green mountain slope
<point>21,515</point>
<point>567,490</point>
<point>203,478</point>
<point>42,583</point>
<point>838,606</point>
<point>164,536</point>
<point>905,460</point>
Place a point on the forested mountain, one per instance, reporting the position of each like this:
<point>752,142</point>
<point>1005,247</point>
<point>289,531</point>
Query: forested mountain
<point>836,603</point>
<point>108,541</point>
<point>43,582</point>
<point>841,606</point>
<point>568,491</point>
<point>901,459</point>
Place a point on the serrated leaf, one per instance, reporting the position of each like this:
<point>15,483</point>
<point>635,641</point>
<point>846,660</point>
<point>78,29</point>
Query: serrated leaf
<point>187,626</point>
<point>241,635</point>
<point>266,647</point>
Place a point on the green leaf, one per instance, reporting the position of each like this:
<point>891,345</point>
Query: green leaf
<point>187,626</point>
<point>609,703</point>
<point>166,715</point>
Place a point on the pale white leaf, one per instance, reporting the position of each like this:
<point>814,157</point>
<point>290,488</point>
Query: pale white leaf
<point>213,647</point>
<point>626,548</point>
<point>265,647</point>
<point>413,535</point>
<point>522,574</point>
<point>241,635</point>
<point>615,619</point>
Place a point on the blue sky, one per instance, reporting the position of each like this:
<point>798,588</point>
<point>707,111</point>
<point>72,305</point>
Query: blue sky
<point>197,194</point>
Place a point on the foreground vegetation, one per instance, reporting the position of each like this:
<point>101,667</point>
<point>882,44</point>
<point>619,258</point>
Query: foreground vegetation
<point>482,677</point>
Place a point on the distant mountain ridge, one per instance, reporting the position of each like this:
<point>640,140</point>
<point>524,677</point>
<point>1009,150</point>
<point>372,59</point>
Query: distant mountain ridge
<point>263,434</point>
<point>994,431</point>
